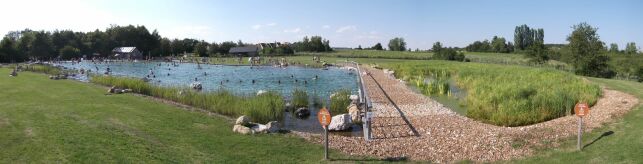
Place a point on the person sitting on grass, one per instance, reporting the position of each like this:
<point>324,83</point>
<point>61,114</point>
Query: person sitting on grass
<point>13,73</point>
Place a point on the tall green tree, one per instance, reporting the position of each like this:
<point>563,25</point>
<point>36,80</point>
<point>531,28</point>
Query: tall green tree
<point>613,48</point>
<point>40,47</point>
<point>201,49</point>
<point>377,46</point>
<point>69,52</point>
<point>397,44</point>
<point>8,52</point>
<point>437,47</point>
<point>525,36</point>
<point>586,52</point>
<point>537,53</point>
<point>630,48</point>
<point>498,44</point>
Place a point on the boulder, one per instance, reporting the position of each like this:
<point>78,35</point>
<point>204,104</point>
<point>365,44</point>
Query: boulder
<point>302,112</point>
<point>340,122</point>
<point>353,110</point>
<point>288,107</point>
<point>196,86</point>
<point>260,92</point>
<point>243,120</point>
<point>273,127</point>
<point>259,128</point>
<point>354,98</point>
<point>242,129</point>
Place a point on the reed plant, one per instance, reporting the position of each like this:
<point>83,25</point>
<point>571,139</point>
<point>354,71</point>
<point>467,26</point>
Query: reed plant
<point>503,95</point>
<point>340,101</point>
<point>260,108</point>
<point>299,98</point>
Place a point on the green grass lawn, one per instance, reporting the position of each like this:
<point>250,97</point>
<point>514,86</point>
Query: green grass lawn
<point>625,145</point>
<point>65,121</point>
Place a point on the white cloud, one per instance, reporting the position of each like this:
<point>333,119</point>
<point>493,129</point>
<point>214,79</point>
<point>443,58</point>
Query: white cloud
<point>259,26</point>
<point>256,27</point>
<point>346,28</point>
<point>326,26</point>
<point>295,30</point>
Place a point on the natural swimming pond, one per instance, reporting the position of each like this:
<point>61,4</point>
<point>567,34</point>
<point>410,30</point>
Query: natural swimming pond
<point>243,80</point>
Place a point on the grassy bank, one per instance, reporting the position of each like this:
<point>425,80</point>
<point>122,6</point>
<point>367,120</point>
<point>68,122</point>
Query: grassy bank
<point>65,121</point>
<point>508,95</point>
<point>618,142</point>
<point>262,108</point>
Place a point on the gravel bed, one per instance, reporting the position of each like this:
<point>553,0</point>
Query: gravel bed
<point>443,136</point>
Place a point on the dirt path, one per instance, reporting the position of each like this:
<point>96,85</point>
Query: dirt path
<point>410,125</point>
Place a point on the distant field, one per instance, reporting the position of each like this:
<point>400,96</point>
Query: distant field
<point>477,57</point>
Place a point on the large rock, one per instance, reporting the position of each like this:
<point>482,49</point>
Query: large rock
<point>353,110</point>
<point>340,122</point>
<point>243,120</point>
<point>302,112</point>
<point>242,129</point>
<point>196,86</point>
<point>273,127</point>
<point>261,92</point>
<point>259,128</point>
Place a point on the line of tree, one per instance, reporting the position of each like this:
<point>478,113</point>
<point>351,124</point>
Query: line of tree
<point>446,53</point>
<point>525,36</point>
<point>19,46</point>
<point>497,44</point>
<point>314,44</point>
<point>630,49</point>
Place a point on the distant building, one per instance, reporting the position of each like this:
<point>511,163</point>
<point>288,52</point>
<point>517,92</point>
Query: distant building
<point>251,50</point>
<point>127,53</point>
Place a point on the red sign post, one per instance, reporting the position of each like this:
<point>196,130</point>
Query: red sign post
<point>581,110</point>
<point>324,119</point>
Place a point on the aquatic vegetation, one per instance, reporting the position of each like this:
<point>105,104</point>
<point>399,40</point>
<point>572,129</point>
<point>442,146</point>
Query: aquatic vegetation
<point>339,101</point>
<point>299,98</point>
<point>503,95</point>
<point>262,108</point>
<point>41,68</point>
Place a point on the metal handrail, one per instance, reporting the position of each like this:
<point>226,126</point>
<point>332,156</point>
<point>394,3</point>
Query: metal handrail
<point>366,102</point>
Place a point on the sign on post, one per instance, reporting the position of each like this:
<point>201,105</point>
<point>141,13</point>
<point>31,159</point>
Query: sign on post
<point>324,119</point>
<point>581,110</point>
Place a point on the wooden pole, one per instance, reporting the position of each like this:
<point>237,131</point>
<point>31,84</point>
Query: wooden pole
<point>580,133</point>
<point>325,143</point>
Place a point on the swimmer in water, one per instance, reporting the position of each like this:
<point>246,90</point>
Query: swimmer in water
<point>253,81</point>
<point>196,79</point>
<point>168,74</point>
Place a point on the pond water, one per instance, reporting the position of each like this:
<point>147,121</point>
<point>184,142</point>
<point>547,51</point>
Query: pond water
<point>454,100</point>
<point>317,82</point>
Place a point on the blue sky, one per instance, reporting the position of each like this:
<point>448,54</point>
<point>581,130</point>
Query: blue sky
<point>346,23</point>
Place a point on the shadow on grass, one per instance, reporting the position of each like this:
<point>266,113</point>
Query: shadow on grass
<point>600,137</point>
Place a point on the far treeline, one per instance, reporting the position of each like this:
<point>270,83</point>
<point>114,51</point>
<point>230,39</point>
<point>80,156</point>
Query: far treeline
<point>588,55</point>
<point>20,46</point>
